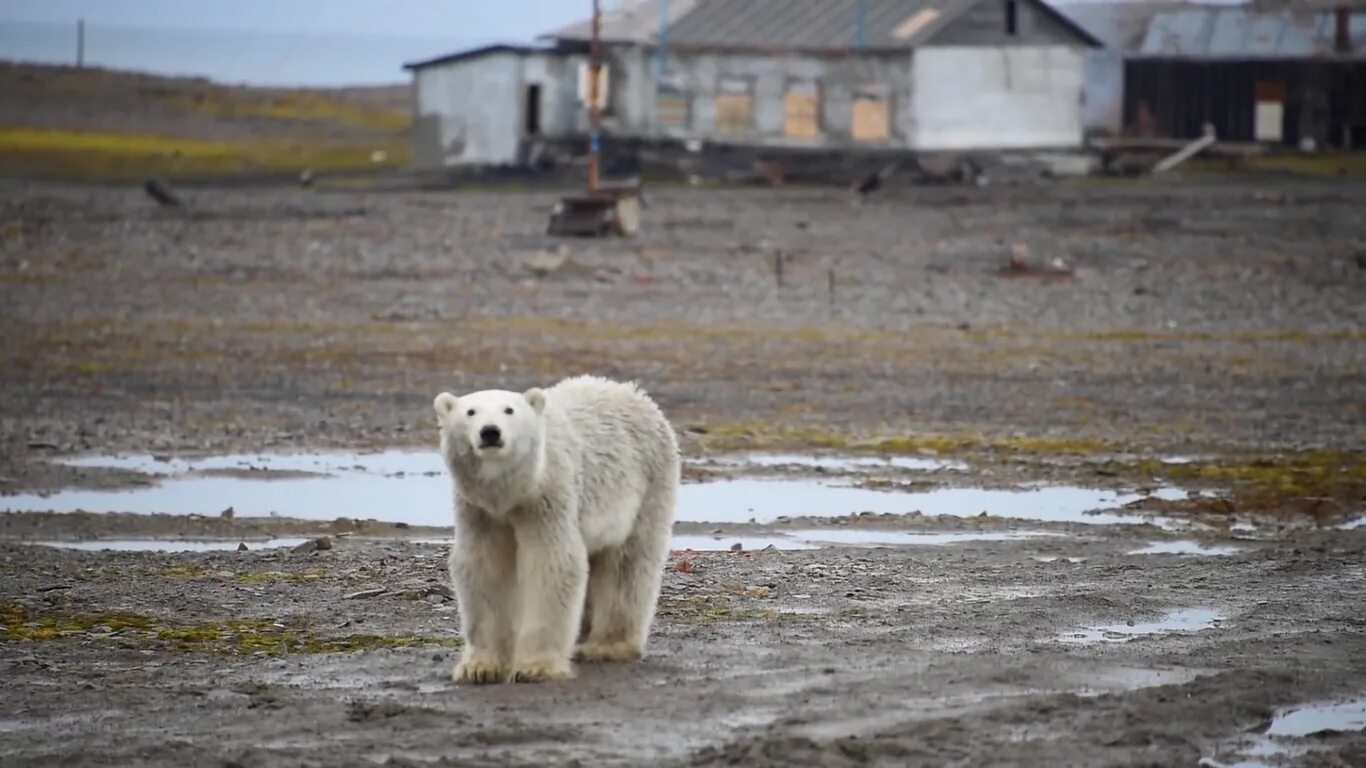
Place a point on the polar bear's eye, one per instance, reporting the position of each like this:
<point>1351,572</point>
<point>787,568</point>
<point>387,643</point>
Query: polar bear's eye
<point>508,411</point>
<point>470,412</point>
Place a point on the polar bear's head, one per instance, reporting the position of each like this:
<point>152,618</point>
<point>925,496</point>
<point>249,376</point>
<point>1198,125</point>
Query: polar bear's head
<point>491,425</point>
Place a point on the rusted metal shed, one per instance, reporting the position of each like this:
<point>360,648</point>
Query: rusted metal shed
<point>1281,77</point>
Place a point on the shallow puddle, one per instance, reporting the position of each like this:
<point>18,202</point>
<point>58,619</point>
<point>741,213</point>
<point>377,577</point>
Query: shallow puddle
<point>1343,717</point>
<point>1183,547</point>
<point>1188,620</point>
<point>169,545</point>
<point>412,487</point>
<point>838,463</point>
<point>840,537</point>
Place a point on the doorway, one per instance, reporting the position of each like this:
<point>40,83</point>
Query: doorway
<point>533,110</point>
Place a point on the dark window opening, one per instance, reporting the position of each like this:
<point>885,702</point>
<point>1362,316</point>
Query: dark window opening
<point>1011,8</point>
<point>533,110</point>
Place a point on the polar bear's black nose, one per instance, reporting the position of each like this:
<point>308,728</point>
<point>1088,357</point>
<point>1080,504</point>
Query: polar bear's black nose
<point>490,435</point>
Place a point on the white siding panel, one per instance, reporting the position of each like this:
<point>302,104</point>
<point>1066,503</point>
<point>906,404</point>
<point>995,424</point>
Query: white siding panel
<point>996,98</point>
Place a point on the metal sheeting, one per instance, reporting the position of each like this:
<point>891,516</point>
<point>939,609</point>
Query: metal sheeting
<point>634,23</point>
<point>799,25</point>
<point>1238,34</point>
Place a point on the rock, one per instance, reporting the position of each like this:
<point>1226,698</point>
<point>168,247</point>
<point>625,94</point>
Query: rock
<point>365,594</point>
<point>737,547</point>
<point>227,514</point>
<point>228,698</point>
<point>546,263</point>
<point>242,547</point>
<point>313,545</point>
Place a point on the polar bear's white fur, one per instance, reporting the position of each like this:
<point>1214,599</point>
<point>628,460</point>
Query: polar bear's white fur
<point>564,503</point>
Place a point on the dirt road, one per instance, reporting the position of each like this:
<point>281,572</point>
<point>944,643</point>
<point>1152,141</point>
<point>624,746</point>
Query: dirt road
<point>1207,336</point>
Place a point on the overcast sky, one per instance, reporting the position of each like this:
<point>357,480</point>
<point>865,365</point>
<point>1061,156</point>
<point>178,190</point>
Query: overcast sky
<point>305,42</point>
<point>475,18</point>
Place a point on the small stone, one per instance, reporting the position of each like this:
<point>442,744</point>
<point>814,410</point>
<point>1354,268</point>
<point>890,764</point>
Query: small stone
<point>304,548</point>
<point>322,542</point>
<point>435,598</point>
<point>365,594</point>
<point>737,547</point>
<point>226,697</point>
<point>242,547</point>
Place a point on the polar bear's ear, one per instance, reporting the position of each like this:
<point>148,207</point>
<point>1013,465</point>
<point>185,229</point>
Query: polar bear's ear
<point>536,397</point>
<point>445,403</point>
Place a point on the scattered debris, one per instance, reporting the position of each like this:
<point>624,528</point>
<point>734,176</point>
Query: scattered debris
<point>1192,149</point>
<point>365,594</point>
<point>1019,265</point>
<point>873,181</point>
<point>313,545</point>
<point>161,192</point>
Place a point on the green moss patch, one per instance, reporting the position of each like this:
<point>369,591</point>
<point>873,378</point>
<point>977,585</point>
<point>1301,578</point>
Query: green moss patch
<point>233,636</point>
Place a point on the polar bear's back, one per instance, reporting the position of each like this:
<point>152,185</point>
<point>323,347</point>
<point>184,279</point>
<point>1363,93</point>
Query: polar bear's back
<point>614,418</point>
<point>625,454</point>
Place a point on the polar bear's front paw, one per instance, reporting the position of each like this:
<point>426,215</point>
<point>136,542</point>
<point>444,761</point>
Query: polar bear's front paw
<point>479,669</point>
<point>608,652</point>
<point>542,670</point>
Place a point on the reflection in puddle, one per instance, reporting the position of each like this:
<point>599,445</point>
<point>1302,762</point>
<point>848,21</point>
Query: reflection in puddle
<point>701,543</point>
<point>1182,547</point>
<point>169,545</point>
<point>412,487</point>
<point>1189,620</point>
<point>838,463</point>
<point>849,537</point>
<point>1345,717</point>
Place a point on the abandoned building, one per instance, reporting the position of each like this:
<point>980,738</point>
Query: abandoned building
<point>1288,77</point>
<point>918,75</point>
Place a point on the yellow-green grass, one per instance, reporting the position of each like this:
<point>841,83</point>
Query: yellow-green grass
<point>106,155</point>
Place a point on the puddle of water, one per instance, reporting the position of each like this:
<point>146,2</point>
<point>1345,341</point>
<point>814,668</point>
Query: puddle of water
<point>1189,620</point>
<point>168,545</point>
<point>704,543</point>
<point>1344,717</point>
<point>839,463</point>
<point>854,536</point>
<point>1059,559</point>
<point>1352,525</point>
<point>1182,547</point>
<point>412,487</point>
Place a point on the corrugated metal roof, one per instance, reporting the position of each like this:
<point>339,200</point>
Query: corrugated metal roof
<point>636,22</point>
<point>807,25</point>
<point>1231,33</point>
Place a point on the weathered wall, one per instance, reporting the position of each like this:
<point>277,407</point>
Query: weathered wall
<point>700,75</point>
<point>558,78</point>
<point>470,112</point>
<point>1102,110</point>
<point>996,98</point>
<point>985,24</point>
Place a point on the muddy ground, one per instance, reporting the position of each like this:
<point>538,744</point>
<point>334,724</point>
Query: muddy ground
<point>1216,318</point>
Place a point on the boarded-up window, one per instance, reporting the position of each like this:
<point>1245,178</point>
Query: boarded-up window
<point>604,86</point>
<point>1269,113</point>
<point>734,107</point>
<point>671,104</point>
<point>802,111</point>
<point>871,120</point>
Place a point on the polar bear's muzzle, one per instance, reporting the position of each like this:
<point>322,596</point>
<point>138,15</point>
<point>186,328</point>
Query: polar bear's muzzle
<point>490,436</point>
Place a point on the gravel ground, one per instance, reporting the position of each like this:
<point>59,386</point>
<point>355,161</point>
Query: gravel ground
<point>1203,317</point>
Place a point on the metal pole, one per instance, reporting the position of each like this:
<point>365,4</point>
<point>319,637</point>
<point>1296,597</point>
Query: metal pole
<point>861,25</point>
<point>594,113</point>
<point>80,43</point>
<point>662,43</point>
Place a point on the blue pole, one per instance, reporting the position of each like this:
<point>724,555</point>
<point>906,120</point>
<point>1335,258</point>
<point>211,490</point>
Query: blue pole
<point>661,42</point>
<point>861,25</point>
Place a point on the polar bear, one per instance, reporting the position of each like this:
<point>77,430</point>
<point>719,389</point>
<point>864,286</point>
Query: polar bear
<point>564,504</point>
